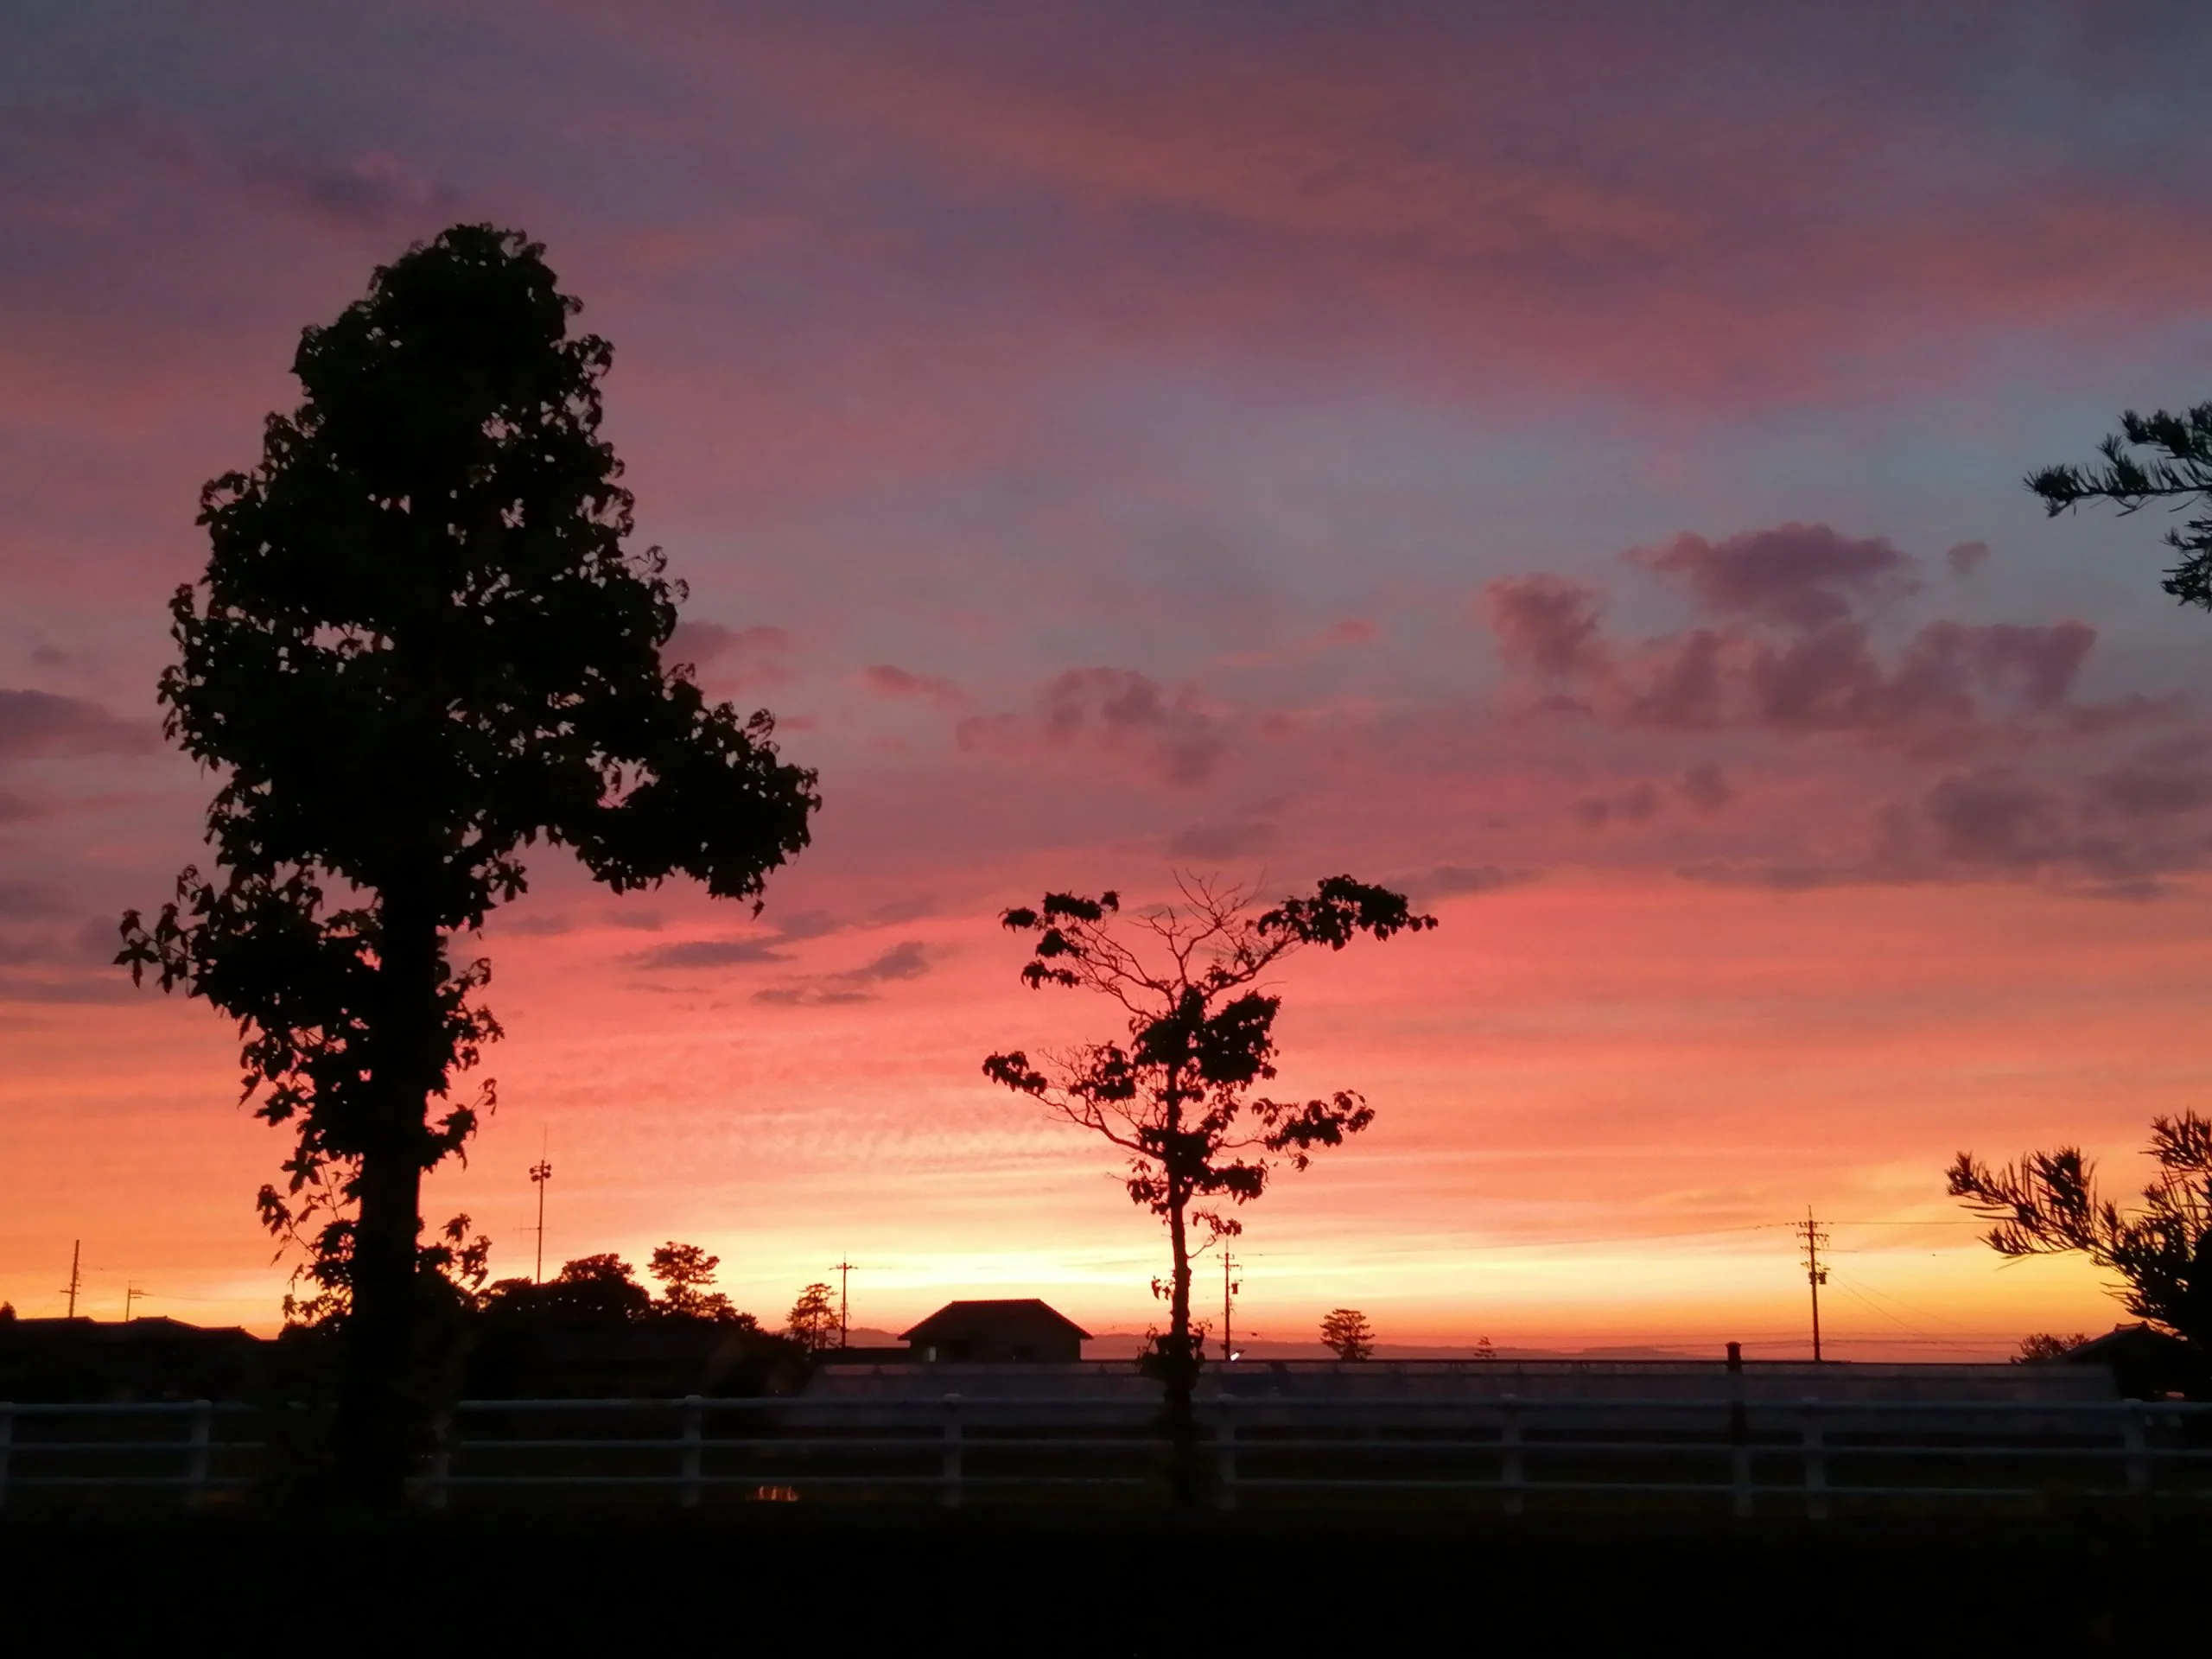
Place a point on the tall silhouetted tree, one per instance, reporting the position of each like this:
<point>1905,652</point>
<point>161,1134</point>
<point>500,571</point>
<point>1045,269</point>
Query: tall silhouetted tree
<point>813,1321</point>
<point>1346,1333</point>
<point>685,1271</point>
<point>1177,1098</point>
<point>2048,1204</point>
<point>420,644</point>
<point>2177,470</point>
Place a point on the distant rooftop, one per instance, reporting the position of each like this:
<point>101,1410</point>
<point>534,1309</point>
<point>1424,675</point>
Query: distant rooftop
<point>969,1321</point>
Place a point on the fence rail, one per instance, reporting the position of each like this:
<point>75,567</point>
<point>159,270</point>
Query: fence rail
<point>1504,1456</point>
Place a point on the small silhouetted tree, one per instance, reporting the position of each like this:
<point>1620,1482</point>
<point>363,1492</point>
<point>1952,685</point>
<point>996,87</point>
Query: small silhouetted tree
<point>1177,1098</point>
<point>2174,467</point>
<point>685,1271</point>
<point>420,644</point>
<point>2045,1344</point>
<point>813,1321</point>
<point>2048,1204</point>
<point>1346,1333</point>
<point>6,1311</point>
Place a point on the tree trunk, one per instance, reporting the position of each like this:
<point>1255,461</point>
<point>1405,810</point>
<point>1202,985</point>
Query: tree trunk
<point>381,1410</point>
<point>1180,1361</point>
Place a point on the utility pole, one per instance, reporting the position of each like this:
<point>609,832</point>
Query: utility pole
<point>540,1173</point>
<point>844,1283</point>
<point>76,1280</point>
<point>1229,1286</point>
<point>131,1293</point>
<point>1816,1275</point>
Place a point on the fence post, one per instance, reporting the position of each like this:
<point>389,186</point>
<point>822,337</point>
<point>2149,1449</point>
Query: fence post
<point>196,1456</point>
<point>949,1478</point>
<point>693,1412</point>
<point>1739,1458</point>
<point>1225,1455</point>
<point>441,1460</point>
<point>2138,1462</point>
<point>1509,1456</point>
<point>7,1445</point>
<point>1816,1462</point>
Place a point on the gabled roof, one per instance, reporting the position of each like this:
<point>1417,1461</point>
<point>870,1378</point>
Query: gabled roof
<point>964,1321</point>
<point>2124,1339</point>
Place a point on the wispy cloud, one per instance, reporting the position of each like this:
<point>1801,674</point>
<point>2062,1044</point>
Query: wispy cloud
<point>909,959</point>
<point>711,953</point>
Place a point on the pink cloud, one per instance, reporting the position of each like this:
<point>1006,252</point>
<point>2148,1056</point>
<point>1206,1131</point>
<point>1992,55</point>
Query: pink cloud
<point>734,660</point>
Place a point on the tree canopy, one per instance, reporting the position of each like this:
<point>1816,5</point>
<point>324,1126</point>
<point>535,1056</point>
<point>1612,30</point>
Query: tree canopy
<point>685,1272</point>
<point>1346,1333</point>
<point>422,644</point>
<point>2048,1203</point>
<point>812,1323</point>
<point>2174,467</point>
<point>603,1290</point>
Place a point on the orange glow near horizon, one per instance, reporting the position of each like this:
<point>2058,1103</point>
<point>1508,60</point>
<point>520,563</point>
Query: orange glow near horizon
<point>1568,1152</point>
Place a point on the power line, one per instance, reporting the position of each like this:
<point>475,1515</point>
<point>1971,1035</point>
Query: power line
<point>1897,1301</point>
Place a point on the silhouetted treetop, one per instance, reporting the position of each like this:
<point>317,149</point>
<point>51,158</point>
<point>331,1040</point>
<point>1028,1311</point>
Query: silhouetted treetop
<point>2047,1204</point>
<point>2047,1345</point>
<point>685,1271</point>
<point>590,1291</point>
<point>812,1322</point>
<point>2177,469</point>
<point>1070,946</point>
<point>1346,1333</point>
<point>426,583</point>
<point>602,1290</point>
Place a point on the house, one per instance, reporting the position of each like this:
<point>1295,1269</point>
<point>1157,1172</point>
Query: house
<point>81,1360</point>
<point>2145,1364</point>
<point>995,1332</point>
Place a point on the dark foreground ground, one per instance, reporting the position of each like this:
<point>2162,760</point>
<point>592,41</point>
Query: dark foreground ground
<point>790,1582</point>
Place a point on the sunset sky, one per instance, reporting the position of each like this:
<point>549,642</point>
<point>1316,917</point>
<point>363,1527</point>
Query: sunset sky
<point>1562,461</point>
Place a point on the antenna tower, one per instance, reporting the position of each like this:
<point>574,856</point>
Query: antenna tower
<point>540,1173</point>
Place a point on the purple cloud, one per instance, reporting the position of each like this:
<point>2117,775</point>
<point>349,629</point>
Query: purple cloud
<point>1802,575</point>
<point>42,725</point>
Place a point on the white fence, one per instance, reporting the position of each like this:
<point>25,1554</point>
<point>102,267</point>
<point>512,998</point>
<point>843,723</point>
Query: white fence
<point>1502,1456</point>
